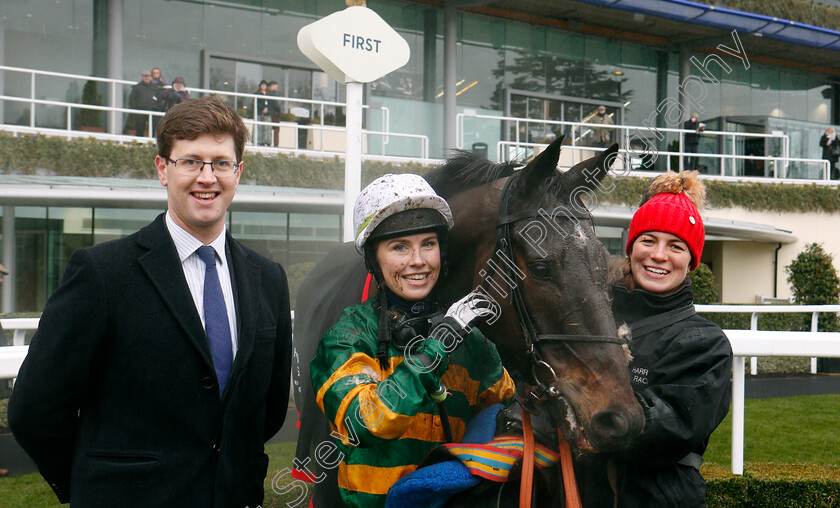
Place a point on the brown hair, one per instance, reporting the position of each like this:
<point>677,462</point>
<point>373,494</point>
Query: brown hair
<point>192,118</point>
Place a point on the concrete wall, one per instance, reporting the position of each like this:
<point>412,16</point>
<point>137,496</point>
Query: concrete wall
<point>746,268</point>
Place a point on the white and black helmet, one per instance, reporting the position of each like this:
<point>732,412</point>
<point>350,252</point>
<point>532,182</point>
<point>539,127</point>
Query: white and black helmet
<point>394,205</point>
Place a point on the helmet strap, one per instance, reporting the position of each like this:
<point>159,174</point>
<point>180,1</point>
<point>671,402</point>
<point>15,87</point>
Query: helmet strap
<point>384,339</point>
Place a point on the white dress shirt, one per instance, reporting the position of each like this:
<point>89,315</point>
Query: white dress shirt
<point>194,268</point>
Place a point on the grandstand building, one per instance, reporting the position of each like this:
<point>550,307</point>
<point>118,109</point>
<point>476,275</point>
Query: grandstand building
<point>499,76</point>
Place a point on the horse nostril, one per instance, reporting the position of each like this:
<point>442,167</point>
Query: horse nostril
<point>610,430</point>
<point>609,423</point>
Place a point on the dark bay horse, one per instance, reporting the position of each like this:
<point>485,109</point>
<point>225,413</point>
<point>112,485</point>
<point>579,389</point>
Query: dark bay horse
<point>525,239</point>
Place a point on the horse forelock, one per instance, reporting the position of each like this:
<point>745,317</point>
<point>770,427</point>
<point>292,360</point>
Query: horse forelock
<point>464,171</point>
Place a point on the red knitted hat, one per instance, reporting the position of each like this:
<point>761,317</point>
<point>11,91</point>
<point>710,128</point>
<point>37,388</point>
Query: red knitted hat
<point>671,210</point>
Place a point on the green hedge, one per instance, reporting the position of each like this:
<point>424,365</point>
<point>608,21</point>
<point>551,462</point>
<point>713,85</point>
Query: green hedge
<point>37,155</point>
<point>805,11</point>
<point>745,492</point>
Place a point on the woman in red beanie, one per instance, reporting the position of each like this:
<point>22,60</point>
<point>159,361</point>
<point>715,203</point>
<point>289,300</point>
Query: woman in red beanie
<point>680,370</point>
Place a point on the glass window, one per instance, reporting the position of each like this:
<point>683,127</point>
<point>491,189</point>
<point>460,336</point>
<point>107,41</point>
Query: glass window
<point>44,240</point>
<point>764,91</point>
<point>793,96</point>
<point>819,101</point>
<point>481,62</point>
<point>113,223</point>
<point>735,92</point>
<point>636,83</point>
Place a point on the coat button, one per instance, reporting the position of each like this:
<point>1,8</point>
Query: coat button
<point>208,383</point>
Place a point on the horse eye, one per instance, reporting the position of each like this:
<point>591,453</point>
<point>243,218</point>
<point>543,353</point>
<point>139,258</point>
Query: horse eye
<point>540,270</point>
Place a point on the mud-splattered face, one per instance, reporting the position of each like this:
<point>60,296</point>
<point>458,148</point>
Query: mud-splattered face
<point>410,264</point>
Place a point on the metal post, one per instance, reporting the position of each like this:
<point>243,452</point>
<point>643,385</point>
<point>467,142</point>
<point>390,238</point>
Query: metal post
<point>8,287</point>
<point>738,365</point>
<point>754,360</point>
<point>353,156</point>
<point>115,64</point>
<point>814,328</point>
<point>450,76</point>
<point>32,96</point>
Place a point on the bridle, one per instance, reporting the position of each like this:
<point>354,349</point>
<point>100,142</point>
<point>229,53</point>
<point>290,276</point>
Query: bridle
<point>542,373</point>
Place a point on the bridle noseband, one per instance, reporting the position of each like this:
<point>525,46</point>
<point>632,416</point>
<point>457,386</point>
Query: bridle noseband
<point>543,374</point>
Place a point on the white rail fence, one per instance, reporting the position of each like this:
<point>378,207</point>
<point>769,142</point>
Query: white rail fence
<point>754,343</point>
<point>745,343</point>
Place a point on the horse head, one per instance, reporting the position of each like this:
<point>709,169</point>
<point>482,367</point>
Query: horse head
<point>528,242</point>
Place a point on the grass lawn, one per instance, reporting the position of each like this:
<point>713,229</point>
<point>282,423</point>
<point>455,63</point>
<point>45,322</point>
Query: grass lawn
<point>785,438</point>
<point>788,430</point>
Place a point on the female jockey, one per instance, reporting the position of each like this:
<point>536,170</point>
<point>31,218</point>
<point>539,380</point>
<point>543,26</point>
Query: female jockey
<point>395,375</point>
<point>681,363</point>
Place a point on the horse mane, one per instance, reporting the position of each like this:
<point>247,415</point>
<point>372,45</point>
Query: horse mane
<point>466,170</point>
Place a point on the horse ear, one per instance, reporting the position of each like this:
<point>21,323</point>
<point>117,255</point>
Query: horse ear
<point>542,167</point>
<point>590,171</point>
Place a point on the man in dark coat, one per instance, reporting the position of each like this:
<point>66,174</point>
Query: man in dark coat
<point>161,364</point>
<point>144,95</point>
<point>831,151</point>
<point>692,140</point>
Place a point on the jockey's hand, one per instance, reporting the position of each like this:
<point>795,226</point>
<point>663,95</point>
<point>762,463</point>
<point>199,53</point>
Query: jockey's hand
<point>455,325</point>
<point>471,307</point>
<point>429,356</point>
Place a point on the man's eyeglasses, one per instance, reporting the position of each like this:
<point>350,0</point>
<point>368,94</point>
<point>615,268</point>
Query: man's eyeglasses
<point>195,166</point>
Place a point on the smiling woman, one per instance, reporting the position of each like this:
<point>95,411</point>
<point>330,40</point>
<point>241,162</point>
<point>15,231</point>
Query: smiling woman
<point>681,361</point>
<point>381,388</point>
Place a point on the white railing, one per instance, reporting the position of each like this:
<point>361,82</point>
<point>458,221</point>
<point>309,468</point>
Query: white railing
<point>744,343</point>
<point>516,148</point>
<point>19,326</point>
<point>754,343</point>
<point>11,357</point>
<point>116,89</point>
<point>579,153</point>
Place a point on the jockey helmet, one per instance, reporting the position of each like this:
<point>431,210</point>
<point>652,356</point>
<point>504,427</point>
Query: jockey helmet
<point>396,205</point>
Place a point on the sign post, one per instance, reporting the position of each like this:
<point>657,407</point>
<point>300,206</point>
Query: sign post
<point>354,46</point>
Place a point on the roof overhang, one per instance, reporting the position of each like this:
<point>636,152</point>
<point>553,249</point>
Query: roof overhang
<point>679,23</point>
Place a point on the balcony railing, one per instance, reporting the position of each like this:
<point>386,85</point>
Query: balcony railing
<point>636,144</point>
<point>305,137</point>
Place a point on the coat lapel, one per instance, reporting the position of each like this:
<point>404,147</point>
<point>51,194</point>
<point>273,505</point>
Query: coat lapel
<point>245,276</point>
<point>162,266</point>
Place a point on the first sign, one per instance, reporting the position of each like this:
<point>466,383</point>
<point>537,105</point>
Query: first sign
<point>354,45</point>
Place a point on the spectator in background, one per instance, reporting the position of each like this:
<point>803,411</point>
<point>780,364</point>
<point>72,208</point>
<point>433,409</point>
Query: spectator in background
<point>602,136</point>
<point>158,79</point>
<point>175,95</point>
<point>274,109</point>
<point>692,139</point>
<point>144,95</point>
<point>263,104</point>
<point>831,151</point>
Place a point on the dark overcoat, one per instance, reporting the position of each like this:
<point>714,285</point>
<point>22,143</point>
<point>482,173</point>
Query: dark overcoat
<point>117,401</point>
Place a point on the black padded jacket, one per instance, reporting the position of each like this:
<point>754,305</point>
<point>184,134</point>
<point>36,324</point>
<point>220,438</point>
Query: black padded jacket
<point>681,376</point>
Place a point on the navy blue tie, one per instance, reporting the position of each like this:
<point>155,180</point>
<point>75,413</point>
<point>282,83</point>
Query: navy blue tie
<point>216,323</point>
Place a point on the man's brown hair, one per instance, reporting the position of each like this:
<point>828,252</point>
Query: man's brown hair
<point>192,118</point>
